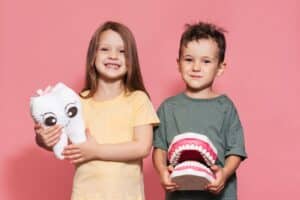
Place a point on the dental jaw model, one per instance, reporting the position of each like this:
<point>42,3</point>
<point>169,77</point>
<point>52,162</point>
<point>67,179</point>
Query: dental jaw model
<point>59,105</point>
<point>191,155</point>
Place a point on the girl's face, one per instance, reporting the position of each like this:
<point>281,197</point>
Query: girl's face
<point>199,64</point>
<point>110,57</point>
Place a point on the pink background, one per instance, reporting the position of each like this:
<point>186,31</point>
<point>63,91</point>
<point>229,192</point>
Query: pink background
<point>43,42</point>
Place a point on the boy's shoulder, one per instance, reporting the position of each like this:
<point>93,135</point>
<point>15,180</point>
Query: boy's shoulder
<point>181,99</point>
<point>173,100</point>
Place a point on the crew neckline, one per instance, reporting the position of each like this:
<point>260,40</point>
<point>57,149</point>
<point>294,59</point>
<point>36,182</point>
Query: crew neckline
<point>114,99</point>
<point>202,99</point>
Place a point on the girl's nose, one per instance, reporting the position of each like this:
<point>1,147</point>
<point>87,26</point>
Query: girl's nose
<point>113,54</point>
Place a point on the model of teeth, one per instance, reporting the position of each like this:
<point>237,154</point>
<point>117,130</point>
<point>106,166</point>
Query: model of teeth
<point>191,155</point>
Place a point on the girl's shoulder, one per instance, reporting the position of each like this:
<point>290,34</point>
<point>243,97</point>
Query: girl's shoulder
<point>137,94</point>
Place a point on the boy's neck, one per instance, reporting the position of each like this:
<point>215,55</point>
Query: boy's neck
<point>201,94</point>
<point>108,90</point>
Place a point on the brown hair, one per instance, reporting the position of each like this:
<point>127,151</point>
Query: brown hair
<point>203,30</point>
<point>133,79</point>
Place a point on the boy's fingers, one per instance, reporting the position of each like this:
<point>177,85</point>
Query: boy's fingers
<point>214,168</point>
<point>170,168</point>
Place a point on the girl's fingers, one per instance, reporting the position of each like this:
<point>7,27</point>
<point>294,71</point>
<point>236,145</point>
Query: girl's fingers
<point>71,152</point>
<point>76,161</point>
<point>52,136</point>
<point>52,143</point>
<point>71,147</point>
<point>52,130</point>
<point>73,156</point>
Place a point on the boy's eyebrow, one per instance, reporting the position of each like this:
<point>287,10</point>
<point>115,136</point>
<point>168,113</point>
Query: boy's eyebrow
<point>208,57</point>
<point>187,55</point>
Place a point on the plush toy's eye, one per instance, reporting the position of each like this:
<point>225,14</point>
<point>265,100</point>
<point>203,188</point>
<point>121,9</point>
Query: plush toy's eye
<point>71,110</point>
<point>50,119</point>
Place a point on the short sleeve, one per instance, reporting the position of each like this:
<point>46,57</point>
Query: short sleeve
<point>235,144</point>
<point>159,138</point>
<point>144,112</point>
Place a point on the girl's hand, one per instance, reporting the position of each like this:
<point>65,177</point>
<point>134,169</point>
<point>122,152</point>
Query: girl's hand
<point>83,152</point>
<point>166,181</point>
<point>47,137</point>
<point>218,185</point>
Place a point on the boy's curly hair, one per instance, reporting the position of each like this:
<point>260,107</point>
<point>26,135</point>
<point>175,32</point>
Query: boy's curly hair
<point>202,30</point>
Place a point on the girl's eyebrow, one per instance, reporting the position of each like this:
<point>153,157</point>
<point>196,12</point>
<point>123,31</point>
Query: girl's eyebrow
<point>106,44</point>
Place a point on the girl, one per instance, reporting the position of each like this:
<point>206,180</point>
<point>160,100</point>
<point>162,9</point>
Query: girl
<point>119,118</point>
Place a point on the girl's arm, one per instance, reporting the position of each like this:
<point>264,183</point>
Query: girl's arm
<point>232,162</point>
<point>138,148</point>
<point>47,138</point>
<point>159,158</point>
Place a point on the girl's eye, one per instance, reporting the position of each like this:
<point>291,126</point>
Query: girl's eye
<point>122,51</point>
<point>206,61</point>
<point>103,49</point>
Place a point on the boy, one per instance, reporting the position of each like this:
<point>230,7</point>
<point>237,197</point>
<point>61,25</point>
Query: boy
<point>200,109</point>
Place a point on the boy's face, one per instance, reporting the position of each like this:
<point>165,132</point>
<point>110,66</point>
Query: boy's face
<point>199,64</point>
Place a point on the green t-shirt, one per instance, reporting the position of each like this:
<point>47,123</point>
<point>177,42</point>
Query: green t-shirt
<point>218,119</point>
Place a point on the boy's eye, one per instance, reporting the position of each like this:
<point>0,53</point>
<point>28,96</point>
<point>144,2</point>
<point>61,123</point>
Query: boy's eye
<point>122,51</point>
<point>188,59</point>
<point>207,61</point>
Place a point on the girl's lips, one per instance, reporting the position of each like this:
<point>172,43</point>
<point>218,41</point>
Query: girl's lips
<point>112,65</point>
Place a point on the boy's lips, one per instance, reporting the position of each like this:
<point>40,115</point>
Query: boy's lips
<point>195,76</point>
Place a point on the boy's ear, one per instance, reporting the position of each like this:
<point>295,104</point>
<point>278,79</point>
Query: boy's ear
<point>178,64</point>
<point>222,67</point>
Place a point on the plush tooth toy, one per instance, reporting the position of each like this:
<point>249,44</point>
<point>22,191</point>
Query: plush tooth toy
<point>191,155</point>
<point>59,105</point>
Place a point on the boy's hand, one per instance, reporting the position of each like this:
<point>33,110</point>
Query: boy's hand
<point>83,152</point>
<point>48,137</point>
<point>218,185</point>
<point>166,182</point>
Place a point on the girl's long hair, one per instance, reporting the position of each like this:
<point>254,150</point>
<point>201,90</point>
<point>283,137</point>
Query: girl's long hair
<point>133,79</point>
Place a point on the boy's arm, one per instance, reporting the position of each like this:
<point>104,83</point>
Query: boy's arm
<point>232,162</point>
<point>159,158</point>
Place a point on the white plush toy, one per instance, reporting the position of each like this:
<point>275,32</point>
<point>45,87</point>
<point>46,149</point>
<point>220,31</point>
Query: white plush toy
<point>59,105</point>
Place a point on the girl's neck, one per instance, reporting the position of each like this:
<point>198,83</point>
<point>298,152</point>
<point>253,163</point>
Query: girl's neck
<point>207,93</point>
<point>108,90</point>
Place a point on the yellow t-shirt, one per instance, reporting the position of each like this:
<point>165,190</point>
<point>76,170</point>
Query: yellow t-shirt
<point>110,122</point>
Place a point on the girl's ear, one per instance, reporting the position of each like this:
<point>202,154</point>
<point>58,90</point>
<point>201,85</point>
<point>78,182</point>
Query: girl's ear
<point>222,67</point>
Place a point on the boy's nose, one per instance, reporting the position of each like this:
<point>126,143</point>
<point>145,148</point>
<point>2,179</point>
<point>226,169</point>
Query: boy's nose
<point>196,67</point>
